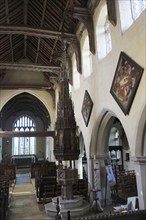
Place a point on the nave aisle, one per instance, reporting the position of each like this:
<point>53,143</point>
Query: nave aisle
<point>23,204</point>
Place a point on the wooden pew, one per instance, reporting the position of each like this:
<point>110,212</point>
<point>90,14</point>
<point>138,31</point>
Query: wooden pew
<point>4,196</point>
<point>45,179</point>
<point>125,187</point>
<point>7,177</point>
<point>46,187</point>
<point>83,188</point>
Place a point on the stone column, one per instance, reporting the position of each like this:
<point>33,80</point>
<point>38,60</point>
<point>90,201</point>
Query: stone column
<point>90,177</point>
<point>105,194</point>
<point>49,148</point>
<point>140,169</point>
<point>79,167</point>
<point>0,147</point>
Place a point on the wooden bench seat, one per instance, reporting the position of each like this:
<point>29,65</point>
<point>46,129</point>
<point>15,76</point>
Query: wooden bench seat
<point>4,196</point>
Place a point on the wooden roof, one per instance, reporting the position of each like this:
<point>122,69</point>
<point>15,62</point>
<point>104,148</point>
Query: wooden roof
<point>33,30</point>
<point>31,33</point>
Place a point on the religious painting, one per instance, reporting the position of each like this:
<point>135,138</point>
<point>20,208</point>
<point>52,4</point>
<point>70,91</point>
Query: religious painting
<point>87,107</point>
<point>125,83</point>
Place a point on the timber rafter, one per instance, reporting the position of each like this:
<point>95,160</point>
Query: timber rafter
<point>36,32</point>
<point>8,134</point>
<point>111,8</point>
<point>10,36</point>
<point>29,67</point>
<point>42,34</point>
<point>22,86</point>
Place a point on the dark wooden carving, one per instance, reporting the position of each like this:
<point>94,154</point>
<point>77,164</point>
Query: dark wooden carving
<point>76,46</point>
<point>6,134</point>
<point>66,143</point>
<point>2,75</point>
<point>111,7</point>
<point>83,15</point>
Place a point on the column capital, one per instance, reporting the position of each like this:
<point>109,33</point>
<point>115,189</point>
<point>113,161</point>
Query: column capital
<point>139,159</point>
<point>99,157</point>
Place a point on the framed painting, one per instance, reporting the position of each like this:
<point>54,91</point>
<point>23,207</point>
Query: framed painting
<point>87,107</point>
<point>125,83</point>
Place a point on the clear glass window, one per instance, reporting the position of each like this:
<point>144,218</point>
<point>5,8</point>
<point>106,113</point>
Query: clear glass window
<point>130,10</point>
<point>76,74</point>
<point>86,58</point>
<point>108,37</point>
<point>137,6</point>
<point>104,40</point>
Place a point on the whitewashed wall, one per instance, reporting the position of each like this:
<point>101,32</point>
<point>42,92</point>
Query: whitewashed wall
<point>132,42</point>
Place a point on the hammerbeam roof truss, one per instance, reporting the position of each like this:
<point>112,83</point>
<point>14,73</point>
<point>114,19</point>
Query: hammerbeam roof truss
<point>33,29</point>
<point>31,33</point>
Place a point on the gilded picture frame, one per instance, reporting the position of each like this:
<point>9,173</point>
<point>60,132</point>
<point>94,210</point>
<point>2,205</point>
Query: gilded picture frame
<point>125,83</point>
<point>87,107</point>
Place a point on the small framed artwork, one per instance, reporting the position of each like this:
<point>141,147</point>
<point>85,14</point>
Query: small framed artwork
<point>125,83</point>
<point>87,107</point>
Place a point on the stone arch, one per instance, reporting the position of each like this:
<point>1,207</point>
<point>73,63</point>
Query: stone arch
<point>100,133</point>
<point>99,153</point>
<point>140,148</point>
<point>41,96</point>
<point>22,103</point>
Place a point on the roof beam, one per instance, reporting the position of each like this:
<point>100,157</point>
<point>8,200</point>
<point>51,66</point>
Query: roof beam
<point>28,67</point>
<point>10,36</point>
<point>48,34</point>
<point>111,8</point>
<point>41,25</point>
<point>8,134</point>
<point>25,23</point>
<point>22,86</point>
<point>68,3</point>
<point>36,32</point>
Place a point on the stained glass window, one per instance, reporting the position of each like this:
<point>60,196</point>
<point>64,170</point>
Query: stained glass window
<point>24,145</point>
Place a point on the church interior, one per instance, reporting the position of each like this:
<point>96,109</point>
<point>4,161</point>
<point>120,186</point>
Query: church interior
<point>72,109</point>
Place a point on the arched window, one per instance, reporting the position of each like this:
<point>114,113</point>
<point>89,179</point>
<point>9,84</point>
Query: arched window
<point>108,41</point>
<point>86,58</point>
<point>76,74</point>
<point>23,145</point>
<point>104,43</point>
<point>137,6</point>
<point>114,139</point>
<point>130,10</point>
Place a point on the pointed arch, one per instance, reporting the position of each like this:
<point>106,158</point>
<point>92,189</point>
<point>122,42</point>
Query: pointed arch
<point>99,133</point>
<point>140,149</point>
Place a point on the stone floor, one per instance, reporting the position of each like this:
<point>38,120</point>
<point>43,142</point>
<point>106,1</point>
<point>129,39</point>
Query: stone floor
<point>23,202</point>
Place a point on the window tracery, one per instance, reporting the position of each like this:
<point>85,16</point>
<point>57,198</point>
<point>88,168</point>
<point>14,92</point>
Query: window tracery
<point>24,145</point>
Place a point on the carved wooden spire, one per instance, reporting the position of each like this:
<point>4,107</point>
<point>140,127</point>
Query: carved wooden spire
<point>66,141</point>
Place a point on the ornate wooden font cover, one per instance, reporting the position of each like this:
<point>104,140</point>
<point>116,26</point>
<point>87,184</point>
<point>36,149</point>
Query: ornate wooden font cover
<point>66,144</point>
